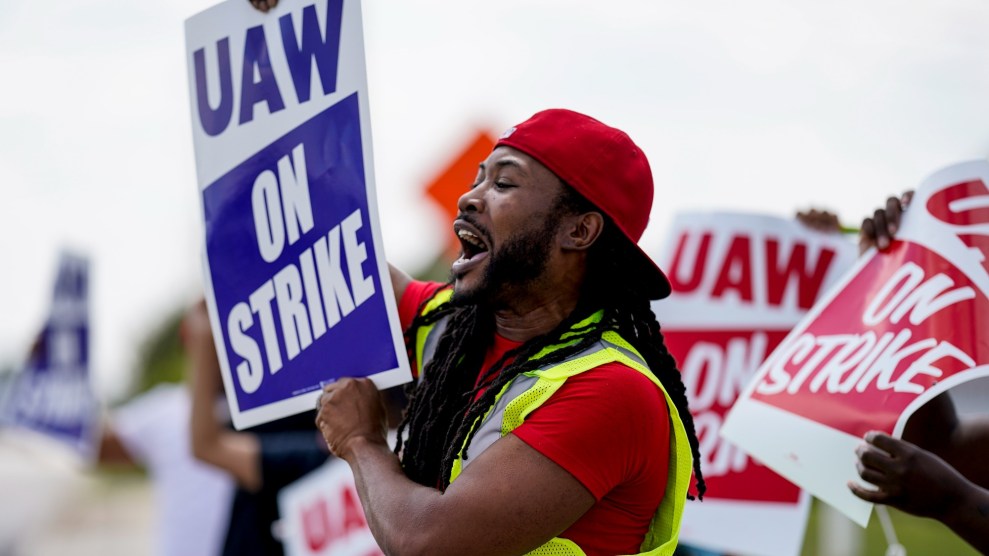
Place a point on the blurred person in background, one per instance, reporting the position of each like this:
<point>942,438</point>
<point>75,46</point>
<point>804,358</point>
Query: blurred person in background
<point>261,460</point>
<point>192,499</point>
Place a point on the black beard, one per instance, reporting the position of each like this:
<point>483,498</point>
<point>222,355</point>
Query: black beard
<point>519,262</point>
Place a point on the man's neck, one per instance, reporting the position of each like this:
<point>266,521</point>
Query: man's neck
<point>524,312</point>
<point>525,319</point>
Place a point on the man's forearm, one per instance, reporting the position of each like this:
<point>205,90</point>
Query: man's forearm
<point>969,449</point>
<point>970,518</point>
<point>399,281</point>
<point>398,510</point>
<point>483,514</point>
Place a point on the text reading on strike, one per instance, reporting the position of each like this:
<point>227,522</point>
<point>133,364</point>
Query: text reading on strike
<point>309,295</point>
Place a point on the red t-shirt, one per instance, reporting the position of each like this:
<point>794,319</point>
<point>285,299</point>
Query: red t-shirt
<point>616,445</point>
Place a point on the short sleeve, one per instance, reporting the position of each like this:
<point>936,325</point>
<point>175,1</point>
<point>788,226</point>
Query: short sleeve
<point>607,427</point>
<point>415,295</point>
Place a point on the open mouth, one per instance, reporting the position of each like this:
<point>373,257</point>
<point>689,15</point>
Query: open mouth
<point>470,244</point>
<point>473,248</point>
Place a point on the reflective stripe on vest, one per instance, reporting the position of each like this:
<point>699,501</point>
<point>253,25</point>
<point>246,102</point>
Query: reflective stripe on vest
<point>428,336</point>
<point>530,390</point>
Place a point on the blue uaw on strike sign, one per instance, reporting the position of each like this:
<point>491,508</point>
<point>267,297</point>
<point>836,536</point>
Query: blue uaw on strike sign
<point>297,285</point>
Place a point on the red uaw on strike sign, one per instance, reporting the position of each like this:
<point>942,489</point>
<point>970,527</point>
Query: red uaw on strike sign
<point>322,515</point>
<point>740,282</point>
<point>903,327</point>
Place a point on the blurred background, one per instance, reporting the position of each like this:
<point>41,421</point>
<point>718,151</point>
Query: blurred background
<point>765,105</point>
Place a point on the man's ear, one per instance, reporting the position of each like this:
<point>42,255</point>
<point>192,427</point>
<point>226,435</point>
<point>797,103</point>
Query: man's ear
<point>580,231</point>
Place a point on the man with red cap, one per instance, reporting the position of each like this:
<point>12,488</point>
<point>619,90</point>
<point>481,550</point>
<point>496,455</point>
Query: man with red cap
<point>548,417</point>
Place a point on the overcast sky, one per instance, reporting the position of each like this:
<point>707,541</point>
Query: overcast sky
<point>766,105</point>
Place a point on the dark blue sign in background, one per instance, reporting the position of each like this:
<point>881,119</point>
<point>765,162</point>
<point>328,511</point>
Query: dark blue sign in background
<point>52,395</point>
<point>361,343</point>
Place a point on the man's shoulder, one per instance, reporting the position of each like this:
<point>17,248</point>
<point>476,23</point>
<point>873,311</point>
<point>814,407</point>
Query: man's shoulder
<point>615,373</point>
<point>614,384</point>
<point>416,293</point>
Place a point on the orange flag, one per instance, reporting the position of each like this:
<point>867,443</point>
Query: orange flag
<point>457,176</point>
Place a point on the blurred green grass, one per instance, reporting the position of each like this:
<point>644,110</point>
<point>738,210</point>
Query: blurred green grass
<point>920,536</point>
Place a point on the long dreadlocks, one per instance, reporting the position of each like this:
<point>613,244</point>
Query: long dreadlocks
<point>449,398</point>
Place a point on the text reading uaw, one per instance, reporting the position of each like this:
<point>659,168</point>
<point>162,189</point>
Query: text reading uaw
<point>304,46</point>
<point>305,298</point>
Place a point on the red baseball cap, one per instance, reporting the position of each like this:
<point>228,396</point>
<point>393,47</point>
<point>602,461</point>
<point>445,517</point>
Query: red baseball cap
<point>602,164</point>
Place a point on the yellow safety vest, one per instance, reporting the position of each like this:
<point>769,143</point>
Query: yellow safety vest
<point>529,390</point>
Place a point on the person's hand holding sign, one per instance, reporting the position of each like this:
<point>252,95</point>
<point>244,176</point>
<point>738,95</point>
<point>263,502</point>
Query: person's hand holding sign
<point>351,410</point>
<point>907,477</point>
<point>821,220</point>
<point>263,5</point>
<point>920,483</point>
<point>878,230</point>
